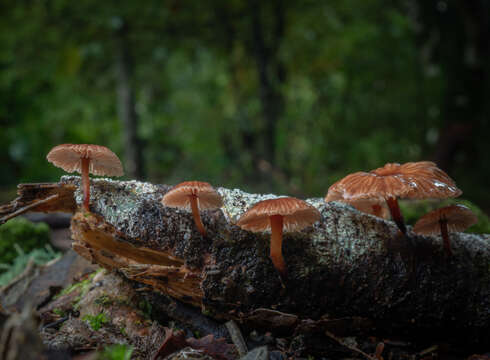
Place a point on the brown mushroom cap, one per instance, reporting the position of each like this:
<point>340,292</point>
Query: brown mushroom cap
<point>297,214</point>
<point>458,217</point>
<point>363,205</point>
<point>413,180</point>
<point>103,162</point>
<point>372,206</point>
<point>178,196</point>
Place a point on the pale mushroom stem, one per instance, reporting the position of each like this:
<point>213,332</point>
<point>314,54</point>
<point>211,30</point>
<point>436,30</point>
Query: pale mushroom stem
<point>396,214</point>
<point>195,214</point>
<point>276,244</point>
<point>445,236</point>
<point>86,183</point>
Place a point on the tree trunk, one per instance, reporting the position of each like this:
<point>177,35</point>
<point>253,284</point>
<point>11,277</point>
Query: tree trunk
<point>271,72</point>
<point>126,105</point>
<point>463,58</point>
<point>349,264</point>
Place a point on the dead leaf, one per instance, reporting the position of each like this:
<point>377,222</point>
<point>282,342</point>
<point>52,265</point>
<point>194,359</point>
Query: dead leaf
<point>174,341</point>
<point>216,348</point>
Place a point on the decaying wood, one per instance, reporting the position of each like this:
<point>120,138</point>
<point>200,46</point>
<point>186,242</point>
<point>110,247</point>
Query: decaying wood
<point>347,265</point>
<point>44,197</point>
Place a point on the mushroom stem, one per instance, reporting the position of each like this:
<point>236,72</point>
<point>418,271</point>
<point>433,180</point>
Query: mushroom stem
<point>276,244</point>
<point>86,183</point>
<point>445,236</point>
<point>396,214</point>
<point>377,210</point>
<point>195,214</point>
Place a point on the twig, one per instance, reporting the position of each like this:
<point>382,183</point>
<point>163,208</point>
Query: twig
<point>353,348</point>
<point>55,323</point>
<point>236,337</point>
<point>429,350</point>
<point>24,209</point>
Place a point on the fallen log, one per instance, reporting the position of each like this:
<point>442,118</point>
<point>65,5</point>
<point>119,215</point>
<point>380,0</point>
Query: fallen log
<point>347,265</point>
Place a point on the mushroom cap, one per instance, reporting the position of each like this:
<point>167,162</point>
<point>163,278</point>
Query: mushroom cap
<point>102,160</point>
<point>297,214</point>
<point>459,218</point>
<point>363,205</point>
<point>413,180</point>
<point>178,196</point>
<point>372,206</point>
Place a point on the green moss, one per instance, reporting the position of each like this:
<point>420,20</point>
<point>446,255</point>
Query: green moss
<point>80,285</point>
<point>104,301</point>
<point>116,352</point>
<point>96,321</point>
<point>38,256</point>
<point>146,308</point>
<point>83,286</point>
<point>59,312</point>
<point>23,233</point>
<point>123,331</point>
<point>413,210</point>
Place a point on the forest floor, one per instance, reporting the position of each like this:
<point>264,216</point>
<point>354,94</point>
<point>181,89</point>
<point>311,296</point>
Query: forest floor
<point>71,309</point>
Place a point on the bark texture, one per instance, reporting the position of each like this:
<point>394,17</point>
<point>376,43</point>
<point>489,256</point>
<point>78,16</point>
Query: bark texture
<point>349,264</point>
<point>126,107</point>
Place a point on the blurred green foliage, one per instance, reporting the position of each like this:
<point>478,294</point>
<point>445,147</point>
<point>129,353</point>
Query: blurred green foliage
<point>38,256</point>
<point>96,321</point>
<point>357,85</point>
<point>19,235</point>
<point>116,352</point>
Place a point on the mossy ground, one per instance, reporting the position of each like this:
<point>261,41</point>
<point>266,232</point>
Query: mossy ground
<point>23,233</point>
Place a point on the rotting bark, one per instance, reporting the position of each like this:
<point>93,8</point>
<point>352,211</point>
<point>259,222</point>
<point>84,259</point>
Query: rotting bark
<point>43,197</point>
<point>347,265</point>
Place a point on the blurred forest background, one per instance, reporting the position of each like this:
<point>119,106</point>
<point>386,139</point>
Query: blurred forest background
<point>272,96</point>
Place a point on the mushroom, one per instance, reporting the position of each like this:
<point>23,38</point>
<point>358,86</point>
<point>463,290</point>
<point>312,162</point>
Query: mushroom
<point>413,180</point>
<point>374,207</point>
<point>286,213</point>
<point>85,158</point>
<point>455,218</point>
<point>197,195</point>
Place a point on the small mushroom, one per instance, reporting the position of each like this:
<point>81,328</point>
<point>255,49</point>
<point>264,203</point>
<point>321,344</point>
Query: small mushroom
<point>196,195</point>
<point>413,180</point>
<point>278,215</point>
<point>85,159</point>
<point>454,218</point>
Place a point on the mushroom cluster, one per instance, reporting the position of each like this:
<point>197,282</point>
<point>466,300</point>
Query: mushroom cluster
<point>375,192</point>
<point>369,191</point>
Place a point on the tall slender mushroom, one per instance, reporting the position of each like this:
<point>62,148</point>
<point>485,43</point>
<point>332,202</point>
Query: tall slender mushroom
<point>413,180</point>
<point>85,159</point>
<point>278,215</point>
<point>454,218</point>
<point>197,195</point>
